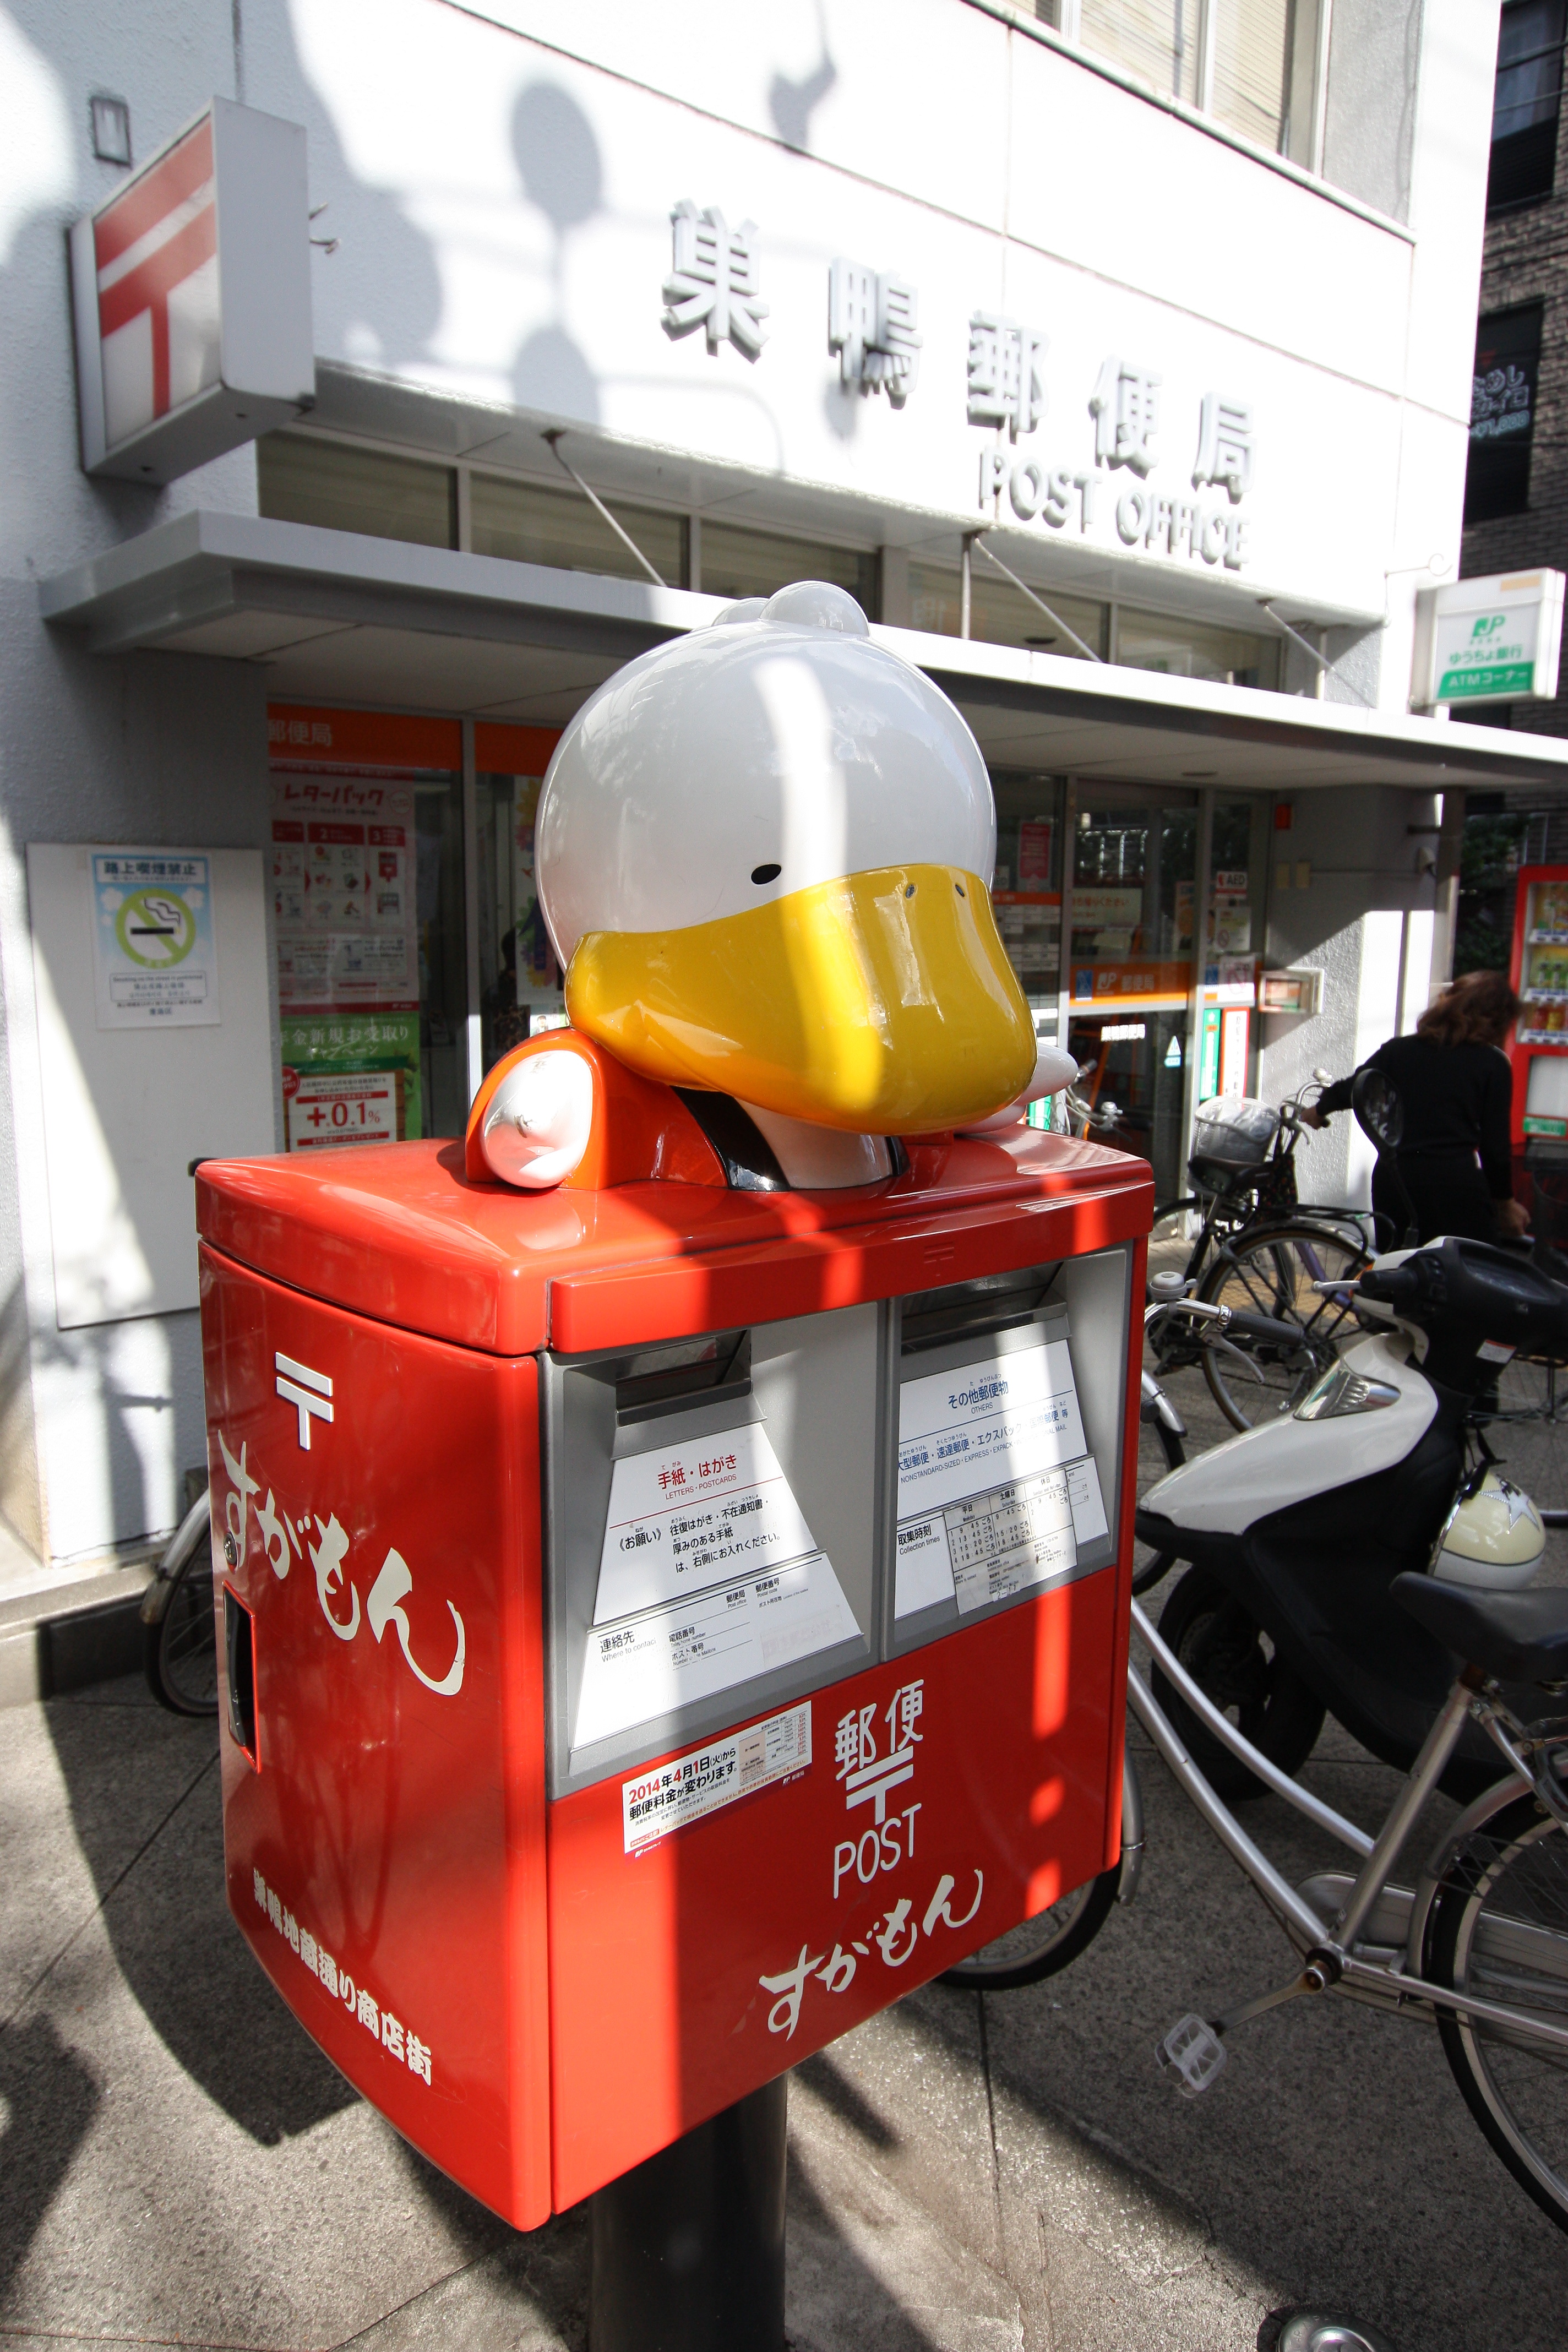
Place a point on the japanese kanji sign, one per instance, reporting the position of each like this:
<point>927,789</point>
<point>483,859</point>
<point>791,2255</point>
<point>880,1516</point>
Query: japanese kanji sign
<point>1125,405</point>
<point>873,320</point>
<point>1005,383</point>
<point>1225,445</point>
<point>712,282</point>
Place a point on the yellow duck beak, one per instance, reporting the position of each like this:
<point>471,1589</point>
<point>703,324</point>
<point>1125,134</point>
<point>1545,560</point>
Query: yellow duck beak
<point>882,1003</point>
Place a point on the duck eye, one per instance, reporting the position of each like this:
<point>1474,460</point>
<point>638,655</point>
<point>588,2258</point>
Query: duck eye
<point>959,887</point>
<point>765,873</point>
<point>908,889</point>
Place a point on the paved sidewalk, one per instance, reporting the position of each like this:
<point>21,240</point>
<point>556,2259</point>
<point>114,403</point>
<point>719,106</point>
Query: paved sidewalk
<point>179,2165</point>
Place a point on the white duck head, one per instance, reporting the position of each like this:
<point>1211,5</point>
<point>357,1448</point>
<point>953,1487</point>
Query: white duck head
<point>764,854</point>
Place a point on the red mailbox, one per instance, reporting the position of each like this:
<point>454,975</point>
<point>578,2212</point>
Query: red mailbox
<point>662,1622</point>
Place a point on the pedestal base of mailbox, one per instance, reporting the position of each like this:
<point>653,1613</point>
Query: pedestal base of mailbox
<point>689,2248</point>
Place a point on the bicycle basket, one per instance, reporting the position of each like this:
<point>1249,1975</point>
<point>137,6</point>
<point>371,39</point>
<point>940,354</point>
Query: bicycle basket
<point>1235,1131</point>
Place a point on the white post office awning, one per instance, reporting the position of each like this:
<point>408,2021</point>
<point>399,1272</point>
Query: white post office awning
<point>337,617</point>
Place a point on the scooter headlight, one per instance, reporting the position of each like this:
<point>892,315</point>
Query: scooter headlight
<point>1340,1392</point>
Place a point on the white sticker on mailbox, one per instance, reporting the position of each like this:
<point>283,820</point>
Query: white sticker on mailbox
<point>997,1489</point>
<point>696,1513</point>
<point>691,1649</point>
<point>667,1796</point>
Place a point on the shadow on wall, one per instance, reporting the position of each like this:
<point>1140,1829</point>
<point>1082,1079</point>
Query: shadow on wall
<point>791,104</point>
<point>378,298</point>
<point>562,174</point>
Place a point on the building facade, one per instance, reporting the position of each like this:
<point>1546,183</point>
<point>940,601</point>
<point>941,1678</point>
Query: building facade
<point>1116,355</point>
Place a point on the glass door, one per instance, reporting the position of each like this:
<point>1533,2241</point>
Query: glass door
<point>1130,964</point>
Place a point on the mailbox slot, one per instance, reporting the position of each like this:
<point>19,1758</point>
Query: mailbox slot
<point>239,1659</point>
<point>1008,1445</point>
<point>644,1556</point>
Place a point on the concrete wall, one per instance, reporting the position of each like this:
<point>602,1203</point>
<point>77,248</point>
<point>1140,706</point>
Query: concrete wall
<point>1365,921</point>
<point>95,1424</point>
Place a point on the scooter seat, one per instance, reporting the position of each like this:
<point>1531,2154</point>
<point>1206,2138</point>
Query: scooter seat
<point>1520,1637</point>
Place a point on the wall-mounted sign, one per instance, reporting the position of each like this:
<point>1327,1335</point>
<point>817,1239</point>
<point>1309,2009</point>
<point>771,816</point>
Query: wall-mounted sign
<point>153,951</point>
<point>1495,640</point>
<point>1297,993</point>
<point>190,288</point>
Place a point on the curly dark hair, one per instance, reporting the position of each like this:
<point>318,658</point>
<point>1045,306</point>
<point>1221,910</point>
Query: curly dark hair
<point>1477,1010</point>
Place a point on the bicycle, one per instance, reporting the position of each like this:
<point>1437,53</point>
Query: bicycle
<point>1479,1942</point>
<point>179,1627</point>
<point>1247,1242</point>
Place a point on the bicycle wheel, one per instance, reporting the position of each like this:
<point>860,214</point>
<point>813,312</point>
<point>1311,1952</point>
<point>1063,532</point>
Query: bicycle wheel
<point>1527,1429</point>
<point>1159,1450</point>
<point>1037,1947</point>
<point>179,1651</point>
<point>1500,1930</point>
<point>1234,1663</point>
<point>1271,1272</point>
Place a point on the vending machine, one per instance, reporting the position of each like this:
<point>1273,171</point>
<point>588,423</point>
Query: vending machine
<point>1538,973</point>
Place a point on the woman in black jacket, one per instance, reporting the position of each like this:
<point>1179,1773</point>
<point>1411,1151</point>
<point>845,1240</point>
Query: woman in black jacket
<point>1456,1086</point>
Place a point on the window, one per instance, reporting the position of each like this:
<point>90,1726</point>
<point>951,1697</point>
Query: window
<point>302,479</point>
<point>1502,414</point>
<point>1251,64</point>
<point>1156,40</point>
<point>531,523</point>
<point>1196,649</point>
<point>368,904</point>
<point>1525,103</point>
<point>998,614</point>
<point>739,562</point>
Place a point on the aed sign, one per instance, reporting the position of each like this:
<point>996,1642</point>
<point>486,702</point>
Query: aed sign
<point>1483,641</point>
<point>191,290</point>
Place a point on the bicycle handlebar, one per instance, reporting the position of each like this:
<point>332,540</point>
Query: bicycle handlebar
<point>1261,1328</point>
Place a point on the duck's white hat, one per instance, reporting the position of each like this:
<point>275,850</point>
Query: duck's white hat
<point>781,743</point>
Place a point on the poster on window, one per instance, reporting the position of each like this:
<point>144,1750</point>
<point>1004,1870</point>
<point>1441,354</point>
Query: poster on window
<point>350,1081</point>
<point>343,893</point>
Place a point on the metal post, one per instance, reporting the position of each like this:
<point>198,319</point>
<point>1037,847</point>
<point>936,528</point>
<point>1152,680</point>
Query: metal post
<point>689,2247</point>
<point>965,569</point>
<point>1446,905</point>
<point>1203,860</point>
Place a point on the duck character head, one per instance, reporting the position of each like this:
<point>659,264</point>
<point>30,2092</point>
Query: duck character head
<point>764,854</point>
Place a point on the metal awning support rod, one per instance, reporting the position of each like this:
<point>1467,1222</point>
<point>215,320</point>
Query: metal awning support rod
<point>1310,649</point>
<point>554,437</point>
<point>977,539</point>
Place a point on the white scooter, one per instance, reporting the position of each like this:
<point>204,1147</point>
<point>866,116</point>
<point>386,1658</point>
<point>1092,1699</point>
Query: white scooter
<point>1297,1529</point>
